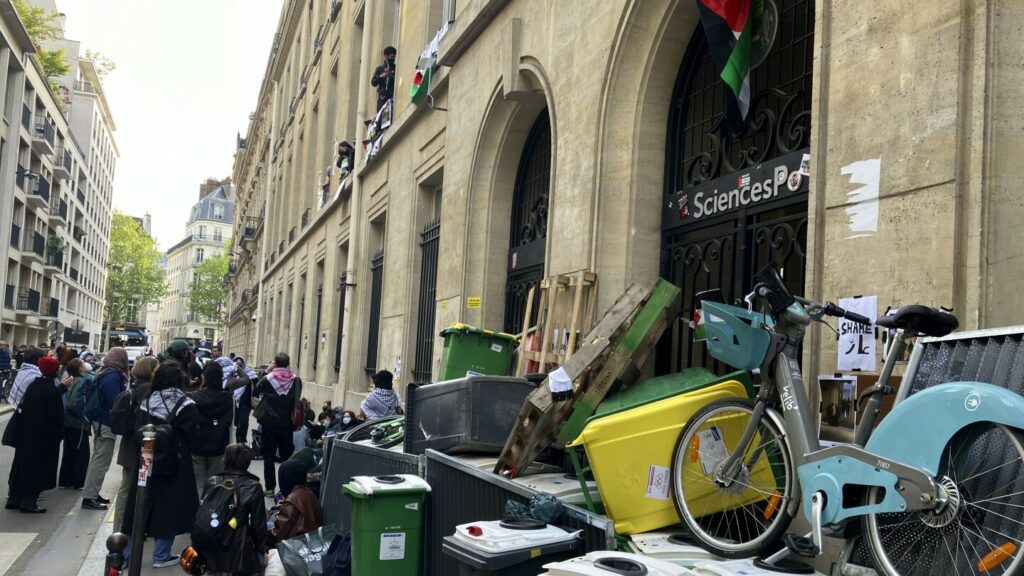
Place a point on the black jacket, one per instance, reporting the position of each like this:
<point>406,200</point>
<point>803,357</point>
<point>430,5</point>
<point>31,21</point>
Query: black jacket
<point>279,407</point>
<point>385,86</point>
<point>245,551</point>
<point>213,404</point>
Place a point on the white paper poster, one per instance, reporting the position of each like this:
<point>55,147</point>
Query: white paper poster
<point>392,546</point>
<point>657,482</point>
<point>856,341</point>
<point>711,448</point>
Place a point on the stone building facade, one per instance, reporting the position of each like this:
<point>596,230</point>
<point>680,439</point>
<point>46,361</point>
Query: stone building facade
<point>563,136</point>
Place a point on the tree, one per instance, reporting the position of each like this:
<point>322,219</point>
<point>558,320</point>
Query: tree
<point>134,275</point>
<point>207,297</point>
<point>103,64</point>
<point>42,25</point>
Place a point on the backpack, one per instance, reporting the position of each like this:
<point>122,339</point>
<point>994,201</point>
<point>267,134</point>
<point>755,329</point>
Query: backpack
<point>166,455</point>
<point>211,529</point>
<point>122,417</point>
<point>76,397</point>
<point>215,433</point>
<point>93,407</point>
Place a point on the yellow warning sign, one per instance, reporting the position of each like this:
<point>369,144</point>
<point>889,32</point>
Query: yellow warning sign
<point>473,302</point>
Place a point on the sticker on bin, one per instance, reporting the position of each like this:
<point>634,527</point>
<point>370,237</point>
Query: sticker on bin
<point>495,536</point>
<point>398,482</point>
<point>657,482</point>
<point>496,348</point>
<point>712,449</point>
<point>392,546</point>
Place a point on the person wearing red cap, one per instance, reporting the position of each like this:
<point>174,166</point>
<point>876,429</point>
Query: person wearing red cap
<point>36,438</point>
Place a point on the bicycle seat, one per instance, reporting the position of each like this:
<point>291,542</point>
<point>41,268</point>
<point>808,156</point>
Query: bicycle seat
<point>920,319</point>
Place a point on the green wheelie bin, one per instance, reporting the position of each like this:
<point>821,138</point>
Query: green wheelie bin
<point>387,524</point>
<point>470,351</point>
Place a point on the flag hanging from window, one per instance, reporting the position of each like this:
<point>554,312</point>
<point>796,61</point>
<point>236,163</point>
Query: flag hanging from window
<point>425,67</point>
<point>729,26</point>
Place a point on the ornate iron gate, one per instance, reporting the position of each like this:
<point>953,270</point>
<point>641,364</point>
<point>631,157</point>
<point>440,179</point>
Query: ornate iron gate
<point>529,222</point>
<point>714,237</point>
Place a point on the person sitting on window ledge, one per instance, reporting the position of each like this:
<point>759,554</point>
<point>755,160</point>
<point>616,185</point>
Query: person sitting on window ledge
<point>384,77</point>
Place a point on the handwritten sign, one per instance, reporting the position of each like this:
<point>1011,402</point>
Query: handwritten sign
<point>856,341</point>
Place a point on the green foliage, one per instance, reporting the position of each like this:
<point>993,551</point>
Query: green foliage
<point>40,22</point>
<point>207,296</point>
<point>55,243</point>
<point>134,276</point>
<point>53,62</point>
<point>103,64</point>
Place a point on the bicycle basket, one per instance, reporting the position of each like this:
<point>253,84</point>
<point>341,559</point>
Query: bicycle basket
<point>735,336</point>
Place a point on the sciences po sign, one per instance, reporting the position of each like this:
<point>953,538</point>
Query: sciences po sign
<point>783,176</point>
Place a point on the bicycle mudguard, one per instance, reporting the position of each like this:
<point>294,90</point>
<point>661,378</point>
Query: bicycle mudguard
<point>918,429</point>
<point>905,452</point>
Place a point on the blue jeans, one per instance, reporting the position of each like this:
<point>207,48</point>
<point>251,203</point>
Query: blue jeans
<point>161,549</point>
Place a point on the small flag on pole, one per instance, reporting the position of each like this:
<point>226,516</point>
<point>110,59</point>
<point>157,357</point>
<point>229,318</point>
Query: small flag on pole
<point>729,26</point>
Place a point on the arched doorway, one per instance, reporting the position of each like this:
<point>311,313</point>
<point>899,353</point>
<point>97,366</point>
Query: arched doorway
<point>736,190</point>
<point>529,222</point>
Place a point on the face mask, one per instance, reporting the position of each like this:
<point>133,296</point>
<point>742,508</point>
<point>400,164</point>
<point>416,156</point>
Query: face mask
<point>346,420</point>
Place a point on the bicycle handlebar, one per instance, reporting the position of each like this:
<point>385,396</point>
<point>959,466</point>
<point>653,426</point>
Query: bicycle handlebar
<point>833,310</point>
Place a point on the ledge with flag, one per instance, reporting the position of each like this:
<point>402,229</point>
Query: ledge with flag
<point>425,67</point>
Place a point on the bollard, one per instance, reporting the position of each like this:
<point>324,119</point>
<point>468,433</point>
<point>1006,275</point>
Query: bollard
<point>139,517</point>
<point>116,543</point>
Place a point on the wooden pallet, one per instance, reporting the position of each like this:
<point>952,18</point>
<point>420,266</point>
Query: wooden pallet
<point>565,310</point>
<point>610,353</point>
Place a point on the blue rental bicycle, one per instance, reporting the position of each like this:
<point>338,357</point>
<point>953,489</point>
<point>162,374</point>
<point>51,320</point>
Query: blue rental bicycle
<point>937,487</point>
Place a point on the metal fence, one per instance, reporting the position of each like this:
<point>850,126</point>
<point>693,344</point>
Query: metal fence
<point>347,460</point>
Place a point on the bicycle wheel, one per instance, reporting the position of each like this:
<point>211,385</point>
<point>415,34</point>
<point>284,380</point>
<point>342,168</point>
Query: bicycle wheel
<point>980,530</point>
<point>743,517</point>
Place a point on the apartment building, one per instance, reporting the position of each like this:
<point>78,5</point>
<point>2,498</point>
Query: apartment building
<point>207,232</point>
<point>56,195</point>
<point>580,135</point>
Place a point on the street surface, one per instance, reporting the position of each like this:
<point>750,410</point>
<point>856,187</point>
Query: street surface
<point>67,540</point>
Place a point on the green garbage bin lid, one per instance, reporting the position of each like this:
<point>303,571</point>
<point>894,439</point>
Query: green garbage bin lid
<point>467,329</point>
<point>381,485</point>
<point>667,386</point>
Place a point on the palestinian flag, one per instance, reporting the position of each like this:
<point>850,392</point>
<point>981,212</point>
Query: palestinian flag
<point>425,68</point>
<point>697,325</point>
<point>729,26</point>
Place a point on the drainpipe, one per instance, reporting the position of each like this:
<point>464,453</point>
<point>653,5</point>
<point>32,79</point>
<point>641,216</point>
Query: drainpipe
<point>356,220</point>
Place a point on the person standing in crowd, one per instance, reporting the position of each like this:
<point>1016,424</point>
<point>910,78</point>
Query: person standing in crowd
<point>277,393</point>
<point>214,405</point>
<point>110,381</point>
<point>243,401</point>
<point>244,554</point>
<point>5,357</point>
<point>28,371</point>
<point>19,357</point>
<point>36,438</point>
<point>182,353</point>
<point>75,462</point>
<point>383,401</point>
<point>88,356</point>
<point>384,77</point>
<point>173,499</point>
<point>128,449</point>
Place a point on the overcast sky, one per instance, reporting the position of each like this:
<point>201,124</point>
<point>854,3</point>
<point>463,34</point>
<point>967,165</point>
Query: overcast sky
<point>188,75</point>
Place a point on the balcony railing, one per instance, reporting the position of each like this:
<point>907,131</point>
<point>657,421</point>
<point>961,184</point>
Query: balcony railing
<point>26,117</point>
<point>28,300</point>
<point>53,308</point>
<point>59,210</point>
<point>44,131</point>
<point>74,273</point>
<point>9,297</point>
<point>291,235</point>
<point>80,194</point>
<point>335,8</point>
<point>55,260</point>
<point>15,236</point>
<point>40,190</point>
<point>37,245</point>
<point>305,219</point>
<point>85,87</point>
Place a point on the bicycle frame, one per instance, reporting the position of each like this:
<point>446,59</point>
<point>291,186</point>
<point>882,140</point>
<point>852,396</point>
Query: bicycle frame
<point>820,470</point>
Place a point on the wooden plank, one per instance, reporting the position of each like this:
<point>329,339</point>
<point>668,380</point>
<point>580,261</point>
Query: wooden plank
<point>631,351</point>
<point>540,417</point>
<point>521,365</point>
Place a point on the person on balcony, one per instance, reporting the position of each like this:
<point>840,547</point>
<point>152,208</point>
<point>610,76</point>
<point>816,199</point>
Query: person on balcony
<point>384,77</point>
<point>346,158</point>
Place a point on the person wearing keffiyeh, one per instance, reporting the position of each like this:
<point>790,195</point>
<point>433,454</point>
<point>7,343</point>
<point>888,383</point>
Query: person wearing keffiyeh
<point>383,401</point>
<point>243,400</point>
<point>280,391</point>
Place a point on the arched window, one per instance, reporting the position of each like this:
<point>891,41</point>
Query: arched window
<point>528,233</point>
